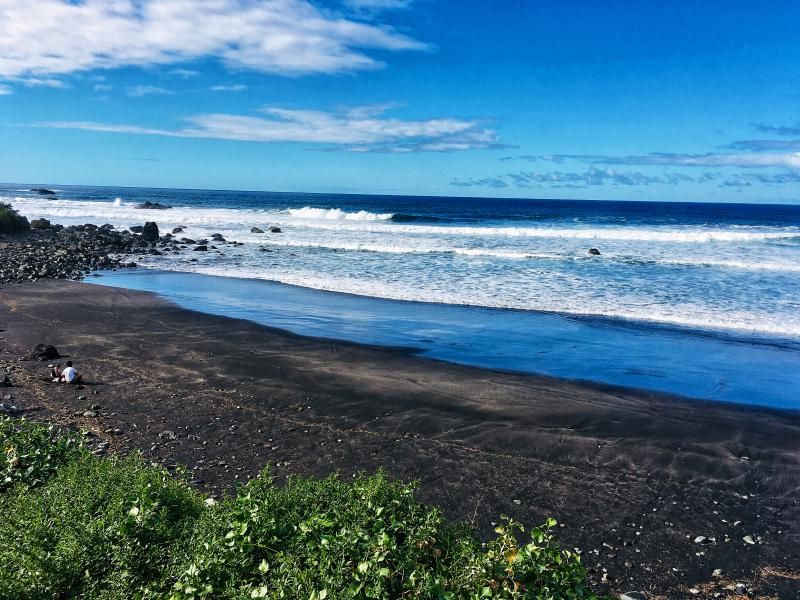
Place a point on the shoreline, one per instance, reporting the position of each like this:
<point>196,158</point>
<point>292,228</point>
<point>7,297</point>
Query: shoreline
<point>606,352</point>
<point>726,334</point>
<point>419,352</point>
<point>634,476</point>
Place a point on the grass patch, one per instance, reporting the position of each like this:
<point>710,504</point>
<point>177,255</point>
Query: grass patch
<point>11,221</point>
<point>90,527</point>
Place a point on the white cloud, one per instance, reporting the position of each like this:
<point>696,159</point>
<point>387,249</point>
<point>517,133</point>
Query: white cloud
<point>5,90</point>
<point>184,73</point>
<point>43,82</point>
<point>362,129</point>
<point>103,87</point>
<point>750,160</point>
<point>138,91</point>
<point>228,88</point>
<point>377,4</point>
<point>291,37</point>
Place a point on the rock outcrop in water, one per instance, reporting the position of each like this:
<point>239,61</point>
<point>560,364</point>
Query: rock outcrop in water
<point>153,206</point>
<point>594,251</point>
<point>43,191</point>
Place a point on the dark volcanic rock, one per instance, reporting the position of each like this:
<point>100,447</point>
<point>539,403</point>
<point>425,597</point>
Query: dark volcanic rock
<point>177,230</point>
<point>44,352</point>
<point>201,248</point>
<point>150,232</point>
<point>137,229</point>
<point>217,237</point>
<point>256,230</point>
<point>67,252</point>
<point>274,229</point>
<point>40,224</point>
<point>153,206</point>
<point>43,191</point>
<point>594,251</point>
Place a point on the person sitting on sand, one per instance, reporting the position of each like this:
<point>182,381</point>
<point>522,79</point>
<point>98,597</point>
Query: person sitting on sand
<point>69,374</point>
<point>55,373</point>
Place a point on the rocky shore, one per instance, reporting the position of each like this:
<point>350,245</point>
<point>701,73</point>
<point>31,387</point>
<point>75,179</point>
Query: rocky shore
<point>51,251</point>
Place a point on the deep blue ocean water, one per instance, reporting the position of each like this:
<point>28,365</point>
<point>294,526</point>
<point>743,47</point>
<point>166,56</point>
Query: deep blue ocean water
<point>697,299</point>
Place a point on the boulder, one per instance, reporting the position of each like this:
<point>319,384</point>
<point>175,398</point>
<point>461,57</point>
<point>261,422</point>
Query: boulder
<point>594,251</point>
<point>137,229</point>
<point>150,232</point>
<point>256,230</point>
<point>40,224</point>
<point>43,191</point>
<point>153,206</point>
<point>275,229</point>
<point>177,230</point>
<point>217,237</point>
<point>44,352</point>
<point>200,248</point>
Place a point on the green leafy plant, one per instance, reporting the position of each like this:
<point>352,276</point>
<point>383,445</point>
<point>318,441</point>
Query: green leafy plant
<point>32,453</point>
<point>79,526</point>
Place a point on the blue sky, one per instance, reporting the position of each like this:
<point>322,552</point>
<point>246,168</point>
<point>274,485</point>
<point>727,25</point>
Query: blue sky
<point>607,100</point>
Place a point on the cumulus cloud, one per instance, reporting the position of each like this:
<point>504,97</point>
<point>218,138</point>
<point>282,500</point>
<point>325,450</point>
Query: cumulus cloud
<point>228,88</point>
<point>290,37</point>
<point>138,91</point>
<point>361,129</point>
<point>790,160</point>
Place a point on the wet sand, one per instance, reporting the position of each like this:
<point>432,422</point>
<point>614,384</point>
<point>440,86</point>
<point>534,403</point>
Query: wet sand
<point>634,477</point>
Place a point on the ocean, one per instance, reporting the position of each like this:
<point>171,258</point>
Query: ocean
<point>716,281</point>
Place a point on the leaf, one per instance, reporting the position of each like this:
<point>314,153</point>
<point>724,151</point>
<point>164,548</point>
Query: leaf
<point>264,566</point>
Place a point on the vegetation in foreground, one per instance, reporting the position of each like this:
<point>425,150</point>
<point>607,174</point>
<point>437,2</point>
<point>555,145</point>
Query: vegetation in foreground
<point>80,526</point>
<point>11,221</point>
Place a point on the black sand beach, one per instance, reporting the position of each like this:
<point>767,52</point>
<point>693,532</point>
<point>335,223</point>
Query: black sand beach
<point>656,491</point>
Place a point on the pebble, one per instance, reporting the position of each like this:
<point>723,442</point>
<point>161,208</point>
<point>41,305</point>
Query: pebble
<point>633,596</point>
<point>748,539</point>
<point>700,539</point>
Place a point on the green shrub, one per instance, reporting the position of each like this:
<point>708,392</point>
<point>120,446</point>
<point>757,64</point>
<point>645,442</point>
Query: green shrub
<point>78,526</point>
<point>11,221</point>
<point>100,528</point>
<point>31,453</point>
<point>365,539</point>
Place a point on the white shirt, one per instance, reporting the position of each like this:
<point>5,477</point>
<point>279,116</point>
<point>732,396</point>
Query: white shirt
<point>68,374</point>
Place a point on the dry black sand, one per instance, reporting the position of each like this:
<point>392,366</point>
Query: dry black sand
<point>633,477</point>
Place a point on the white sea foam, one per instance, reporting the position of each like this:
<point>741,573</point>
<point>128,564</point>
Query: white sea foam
<point>681,315</point>
<point>336,214</point>
<point>683,235</point>
<point>731,277</point>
